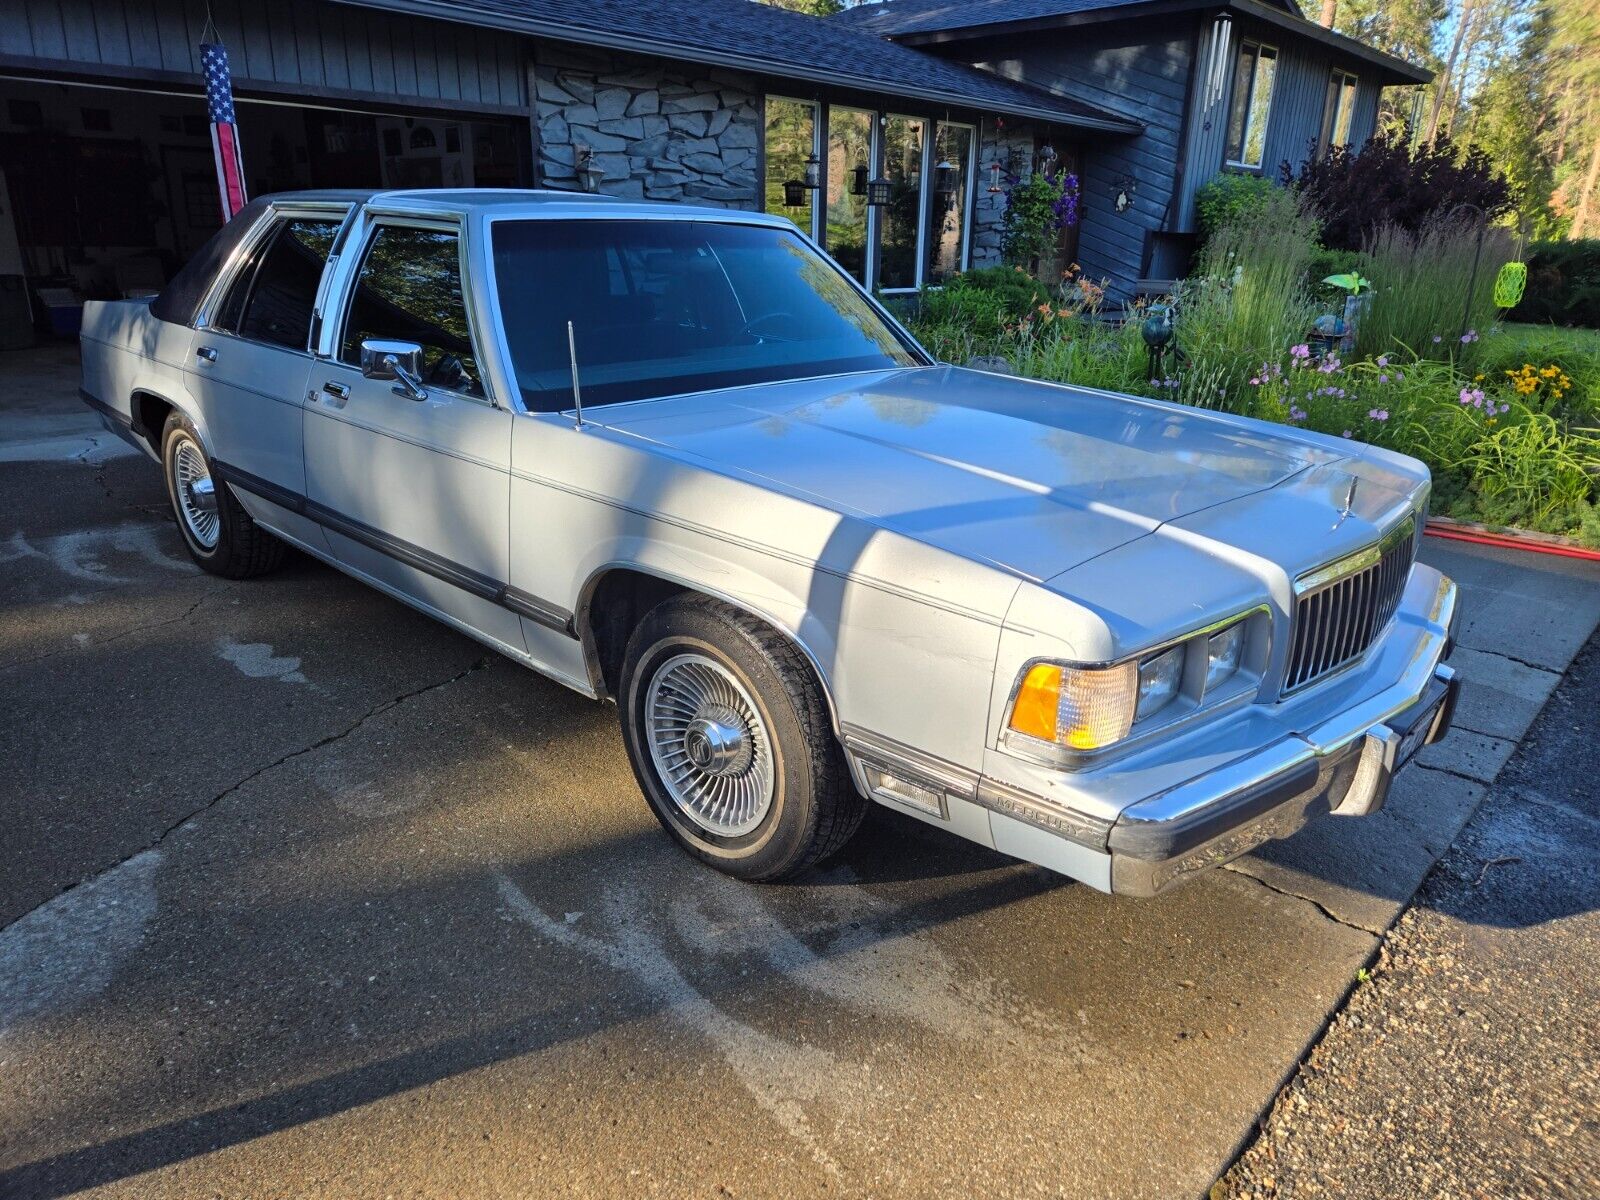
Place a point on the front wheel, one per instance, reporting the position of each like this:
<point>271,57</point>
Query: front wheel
<point>219,535</point>
<point>728,734</point>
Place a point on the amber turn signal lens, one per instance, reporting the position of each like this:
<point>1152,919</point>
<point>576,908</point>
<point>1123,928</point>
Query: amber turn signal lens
<point>1082,708</point>
<point>1038,702</point>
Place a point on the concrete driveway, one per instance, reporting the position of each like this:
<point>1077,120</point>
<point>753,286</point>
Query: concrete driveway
<point>302,893</point>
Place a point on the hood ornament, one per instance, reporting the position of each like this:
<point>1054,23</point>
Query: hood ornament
<point>1349,502</point>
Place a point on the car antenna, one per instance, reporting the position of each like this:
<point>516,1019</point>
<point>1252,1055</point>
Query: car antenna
<point>577,392</point>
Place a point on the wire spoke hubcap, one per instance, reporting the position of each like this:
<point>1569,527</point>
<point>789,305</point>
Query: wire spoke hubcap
<point>197,493</point>
<point>709,745</point>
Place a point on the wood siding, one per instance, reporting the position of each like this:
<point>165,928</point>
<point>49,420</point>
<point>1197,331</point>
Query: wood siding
<point>1299,94</point>
<point>327,48</point>
<point>1121,70</point>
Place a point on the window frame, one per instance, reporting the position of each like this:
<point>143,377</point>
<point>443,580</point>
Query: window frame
<point>1343,84</point>
<point>1260,48</point>
<point>374,224</point>
<point>247,257</point>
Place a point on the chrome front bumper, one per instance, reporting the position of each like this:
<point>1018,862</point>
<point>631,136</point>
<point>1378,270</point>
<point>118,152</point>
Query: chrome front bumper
<point>1152,853</point>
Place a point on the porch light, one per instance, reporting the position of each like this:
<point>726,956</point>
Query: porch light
<point>878,192</point>
<point>945,177</point>
<point>813,172</point>
<point>590,173</point>
<point>858,181</point>
<point>794,193</point>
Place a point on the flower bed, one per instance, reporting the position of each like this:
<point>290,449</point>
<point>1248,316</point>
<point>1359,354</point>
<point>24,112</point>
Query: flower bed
<point>1506,421</point>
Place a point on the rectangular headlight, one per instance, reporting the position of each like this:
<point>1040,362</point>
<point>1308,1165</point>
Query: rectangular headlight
<point>1159,677</point>
<point>1080,708</point>
<point>1224,653</point>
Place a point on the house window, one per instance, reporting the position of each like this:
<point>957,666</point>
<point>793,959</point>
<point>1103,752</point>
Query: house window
<point>952,174</point>
<point>1251,105</point>
<point>1339,111</point>
<point>850,150</point>
<point>904,148</point>
<point>791,138</point>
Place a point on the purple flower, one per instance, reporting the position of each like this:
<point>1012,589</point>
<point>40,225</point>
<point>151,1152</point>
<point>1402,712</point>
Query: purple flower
<point>1469,337</point>
<point>1505,408</point>
<point>1383,360</point>
<point>1472,396</point>
<point>1300,351</point>
<point>1346,433</point>
<point>1378,414</point>
<point>1329,365</point>
<point>1296,414</point>
<point>1383,379</point>
<point>1437,339</point>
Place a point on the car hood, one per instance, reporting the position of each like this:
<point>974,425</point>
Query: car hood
<point>1031,477</point>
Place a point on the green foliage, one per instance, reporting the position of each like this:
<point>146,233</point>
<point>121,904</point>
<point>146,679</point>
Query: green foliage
<point>1500,453</point>
<point>1033,217</point>
<point>1227,198</point>
<point>1563,284</point>
<point>1420,287</point>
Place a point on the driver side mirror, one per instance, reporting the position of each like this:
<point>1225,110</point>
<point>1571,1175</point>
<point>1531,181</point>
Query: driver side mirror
<point>401,361</point>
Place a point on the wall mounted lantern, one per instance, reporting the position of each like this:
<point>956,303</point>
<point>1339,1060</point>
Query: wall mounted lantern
<point>590,173</point>
<point>858,181</point>
<point>1047,156</point>
<point>794,193</point>
<point>813,179</point>
<point>878,192</point>
<point>945,177</point>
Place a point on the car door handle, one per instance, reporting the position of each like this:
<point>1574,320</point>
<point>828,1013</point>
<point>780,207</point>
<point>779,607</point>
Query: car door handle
<point>338,391</point>
<point>206,354</point>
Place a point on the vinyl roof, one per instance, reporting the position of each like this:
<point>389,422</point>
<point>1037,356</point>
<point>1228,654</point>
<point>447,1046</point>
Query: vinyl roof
<point>750,36</point>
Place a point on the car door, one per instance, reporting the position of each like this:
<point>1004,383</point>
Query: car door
<point>248,366</point>
<point>414,493</point>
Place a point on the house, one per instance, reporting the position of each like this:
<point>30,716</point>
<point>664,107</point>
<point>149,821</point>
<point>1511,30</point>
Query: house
<point>1216,85</point>
<point>882,131</point>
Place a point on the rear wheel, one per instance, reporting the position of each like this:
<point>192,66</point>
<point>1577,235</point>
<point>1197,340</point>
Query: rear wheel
<point>728,734</point>
<point>219,535</point>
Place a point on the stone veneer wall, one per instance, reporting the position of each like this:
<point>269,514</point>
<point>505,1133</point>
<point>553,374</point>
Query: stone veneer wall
<point>1013,145</point>
<point>660,131</point>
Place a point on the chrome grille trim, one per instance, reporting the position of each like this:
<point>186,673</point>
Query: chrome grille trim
<point>1341,608</point>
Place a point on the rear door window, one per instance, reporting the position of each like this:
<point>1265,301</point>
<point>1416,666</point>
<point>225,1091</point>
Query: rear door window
<point>409,290</point>
<point>272,298</point>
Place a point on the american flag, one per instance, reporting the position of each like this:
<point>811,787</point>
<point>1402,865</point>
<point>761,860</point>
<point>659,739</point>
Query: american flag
<point>224,130</point>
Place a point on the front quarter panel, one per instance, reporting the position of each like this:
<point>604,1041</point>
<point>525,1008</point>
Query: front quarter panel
<point>903,635</point>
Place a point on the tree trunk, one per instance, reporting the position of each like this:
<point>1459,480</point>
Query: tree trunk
<point>1445,82</point>
<point>1330,10</point>
<point>1585,211</point>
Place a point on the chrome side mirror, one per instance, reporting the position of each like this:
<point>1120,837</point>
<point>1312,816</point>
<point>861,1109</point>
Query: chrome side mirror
<point>400,361</point>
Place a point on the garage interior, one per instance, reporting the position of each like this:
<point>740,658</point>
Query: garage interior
<point>106,190</point>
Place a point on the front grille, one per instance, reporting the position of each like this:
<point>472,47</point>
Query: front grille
<point>1340,608</point>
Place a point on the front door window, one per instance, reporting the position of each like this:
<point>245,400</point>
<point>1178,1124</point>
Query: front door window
<point>904,144</point>
<point>849,153</point>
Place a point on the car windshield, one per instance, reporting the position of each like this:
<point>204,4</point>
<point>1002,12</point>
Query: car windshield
<point>659,308</point>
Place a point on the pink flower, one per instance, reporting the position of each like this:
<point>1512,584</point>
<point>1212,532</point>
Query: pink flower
<point>1300,351</point>
<point>1472,396</point>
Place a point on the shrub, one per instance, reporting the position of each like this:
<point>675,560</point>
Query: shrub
<point>1388,184</point>
<point>1037,208</point>
<point>1563,284</point>
<point>1420,286</point>
<point>975,307</point>
<point>1226,198</point>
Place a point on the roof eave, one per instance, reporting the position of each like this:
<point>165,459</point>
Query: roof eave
<point>440,10</point>
<point>1395,70</point>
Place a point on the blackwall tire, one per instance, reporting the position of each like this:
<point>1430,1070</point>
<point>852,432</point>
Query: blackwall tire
<point>728,733</point>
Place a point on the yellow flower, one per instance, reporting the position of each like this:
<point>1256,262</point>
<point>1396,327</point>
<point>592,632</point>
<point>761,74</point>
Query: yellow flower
<point>1477,379</point>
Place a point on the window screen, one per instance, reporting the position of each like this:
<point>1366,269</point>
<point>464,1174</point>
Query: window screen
<point>409,290</point>
<point>272,299</point>
<point>1251,104</point>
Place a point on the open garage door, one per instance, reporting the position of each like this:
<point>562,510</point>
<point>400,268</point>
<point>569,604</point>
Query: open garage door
<point>110,189</point>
